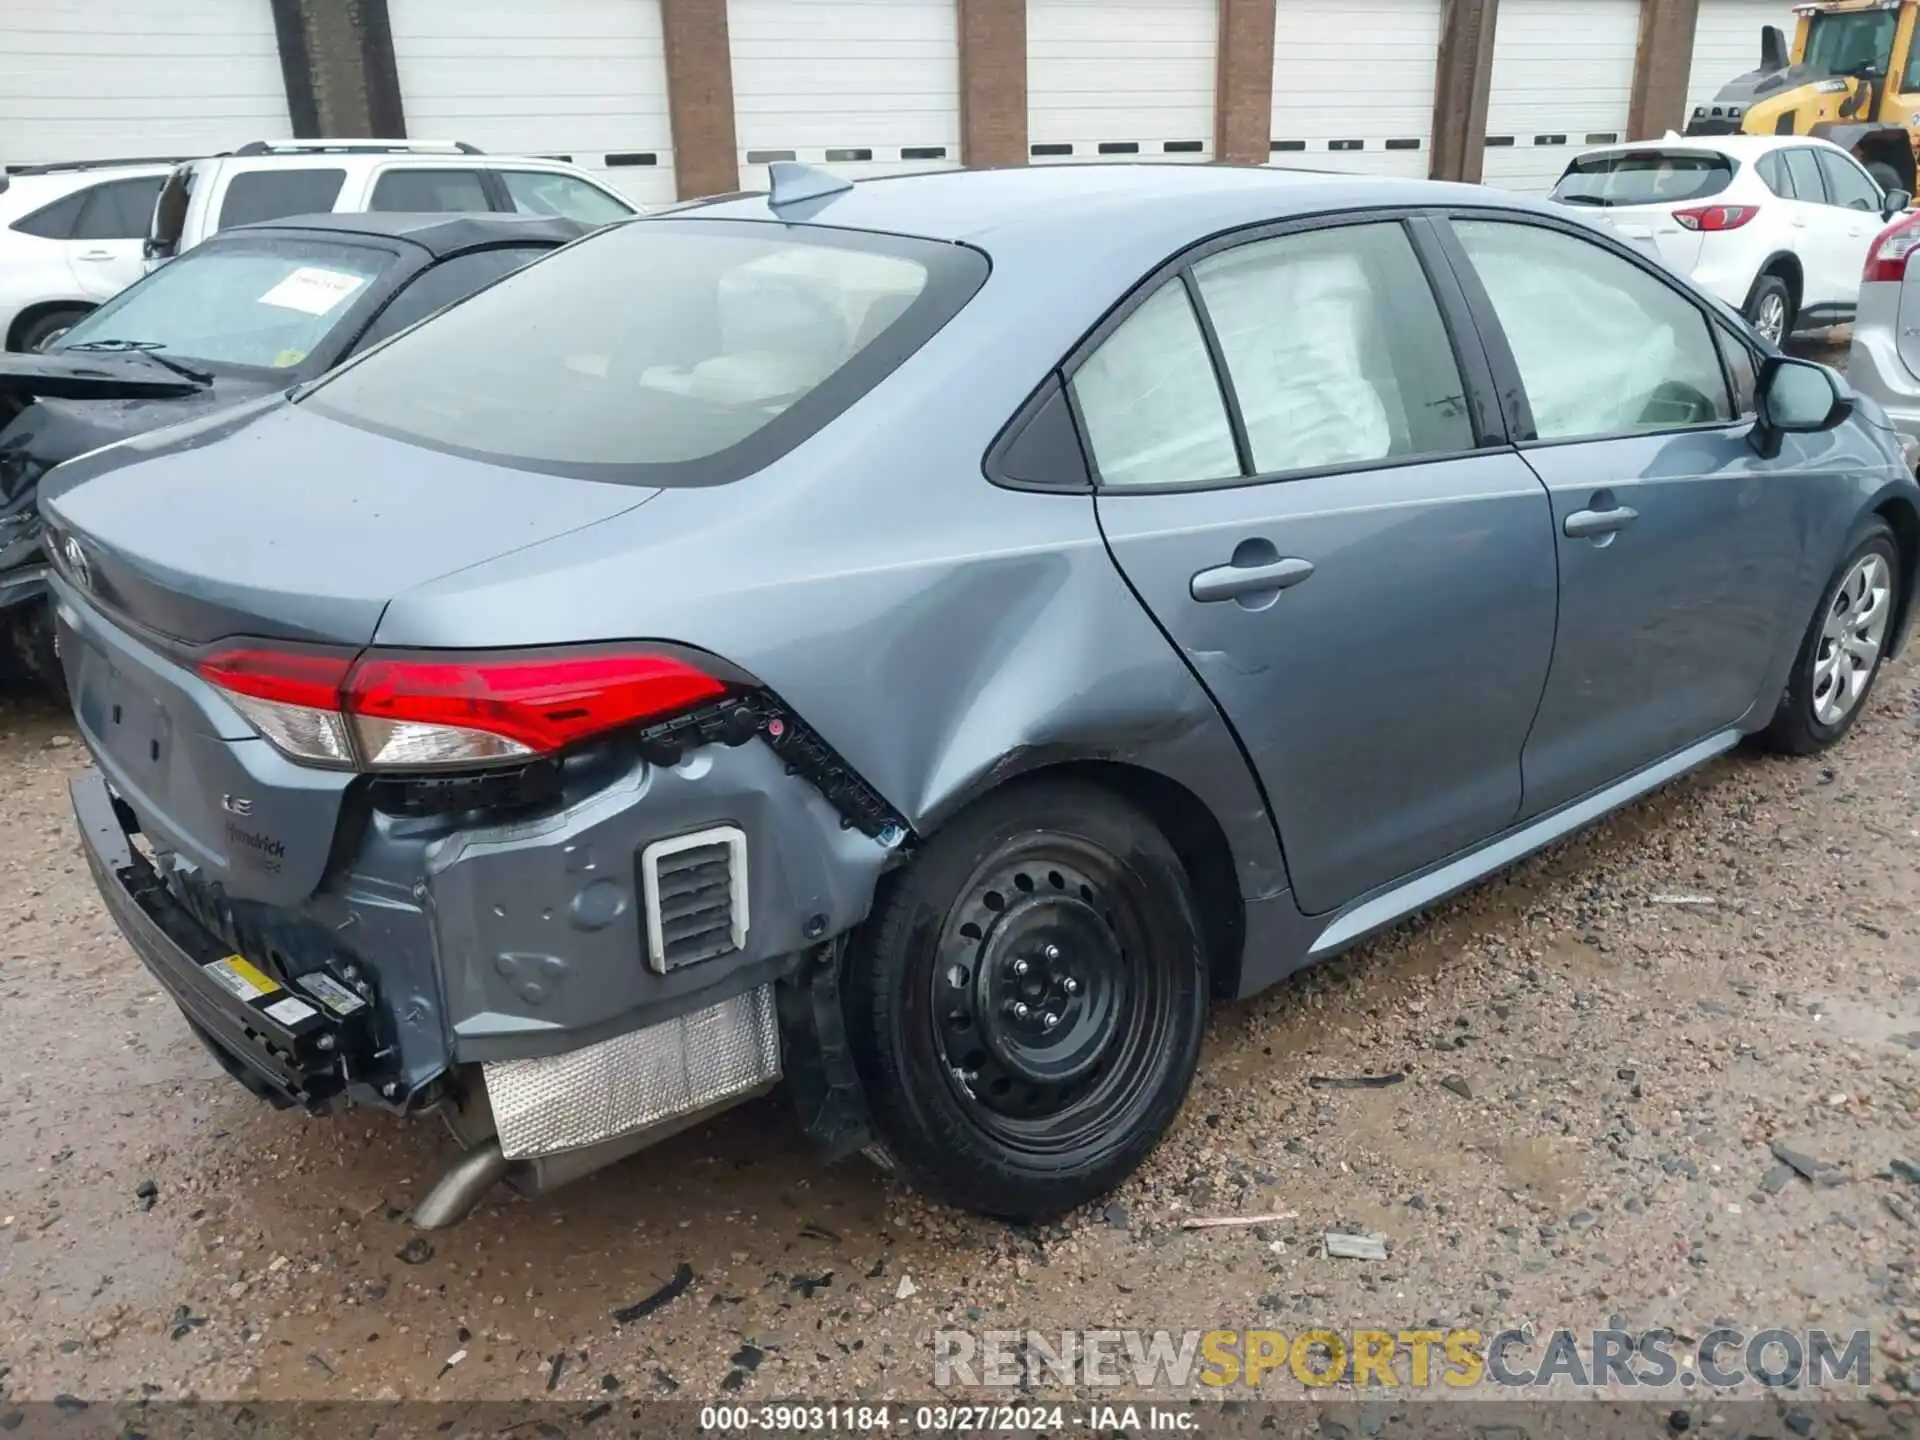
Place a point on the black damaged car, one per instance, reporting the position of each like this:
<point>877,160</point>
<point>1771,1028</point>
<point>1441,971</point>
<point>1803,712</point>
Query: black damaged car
<point>253,311</point>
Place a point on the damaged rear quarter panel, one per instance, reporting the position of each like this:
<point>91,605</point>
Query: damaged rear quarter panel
<point>941,633</point>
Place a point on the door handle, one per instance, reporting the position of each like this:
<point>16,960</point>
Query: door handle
<point>1593,524</point>
<point>96,255</point>
<point>1230,582</point>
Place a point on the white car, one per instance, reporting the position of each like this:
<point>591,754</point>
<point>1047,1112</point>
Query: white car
<point>271,180</point>
<point>70,237</point>
<point>1777,226</point>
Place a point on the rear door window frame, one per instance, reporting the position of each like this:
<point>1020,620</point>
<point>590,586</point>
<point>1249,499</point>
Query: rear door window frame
<point>1486,420</point>
<point>1519,409</point>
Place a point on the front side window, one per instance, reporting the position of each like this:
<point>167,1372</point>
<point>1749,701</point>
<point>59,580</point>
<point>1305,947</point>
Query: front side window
<point>1643,177</point>
<point>1151,402</point>
<point>1336,349</point>
<point>263,302</point>
<point>539,192</point>
<point>1847,183</point>
<point>664,352</point>
<point>1851,43</point>
<point>1804,171</point>
<point>430,191</point>
<point>256,195</point>
<point>1603,347</point>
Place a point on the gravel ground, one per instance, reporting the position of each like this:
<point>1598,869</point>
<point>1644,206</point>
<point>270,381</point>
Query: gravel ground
<point>1594,1075</point>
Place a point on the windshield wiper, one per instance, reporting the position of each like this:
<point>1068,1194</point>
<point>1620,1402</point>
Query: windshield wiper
<point>148,348</point>
<point>1583,200</point>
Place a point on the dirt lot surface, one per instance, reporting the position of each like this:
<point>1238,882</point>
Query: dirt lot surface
<point>1599,1050</point>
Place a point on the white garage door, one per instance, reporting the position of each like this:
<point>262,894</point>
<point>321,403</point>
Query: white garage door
<point>1329,116</point>
<point>1120,79</point>
<point>1562,80</point>
<point>583,79</point>
<point>860,87</point>
<point>1726,42</point>
<point>96,79</point>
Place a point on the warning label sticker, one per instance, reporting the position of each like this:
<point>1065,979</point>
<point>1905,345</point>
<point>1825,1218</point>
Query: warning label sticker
<point>331,993</point>
<point>291,1011</point>
<point>240,978</point>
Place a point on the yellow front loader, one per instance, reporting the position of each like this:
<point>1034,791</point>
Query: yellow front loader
<point>1853,78</point>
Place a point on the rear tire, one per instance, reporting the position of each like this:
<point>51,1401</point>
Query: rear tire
<point>1770,310</point>
<point>1026,1001</point>
<point>1845,645</point>
<point>43,330</point>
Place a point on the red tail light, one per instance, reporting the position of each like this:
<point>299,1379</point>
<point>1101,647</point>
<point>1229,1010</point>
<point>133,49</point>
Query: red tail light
<point>429,710</point>
<point>1887,260</point>
<point>1716,217</point>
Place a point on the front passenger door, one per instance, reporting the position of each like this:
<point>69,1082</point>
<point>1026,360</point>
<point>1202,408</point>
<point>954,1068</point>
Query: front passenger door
<point>1295,480</point>
<point>1678,547</point>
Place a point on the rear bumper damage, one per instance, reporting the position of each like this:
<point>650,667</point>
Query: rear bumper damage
<point>535,1103</point>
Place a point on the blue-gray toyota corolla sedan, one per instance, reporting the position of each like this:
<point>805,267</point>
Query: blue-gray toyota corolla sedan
<point>924,640</point>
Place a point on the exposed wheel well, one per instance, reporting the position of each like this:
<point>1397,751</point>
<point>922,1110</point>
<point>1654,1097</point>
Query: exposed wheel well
<point>1787,267</point>
<point>1189,826</point>
<point>34,312</point>
<point>1906,530</point>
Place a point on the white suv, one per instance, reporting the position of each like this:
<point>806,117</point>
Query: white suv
<point>70,237</point>
<point>1776,226</point>
<point>270,180</point>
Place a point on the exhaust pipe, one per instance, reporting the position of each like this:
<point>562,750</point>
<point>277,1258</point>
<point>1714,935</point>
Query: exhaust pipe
<point>464,1186</point>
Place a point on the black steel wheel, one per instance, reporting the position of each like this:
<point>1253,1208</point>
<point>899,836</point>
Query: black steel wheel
<point>1027,1000</point>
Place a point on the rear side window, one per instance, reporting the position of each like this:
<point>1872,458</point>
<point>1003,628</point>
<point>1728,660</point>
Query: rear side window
<point>1336,349</point>
<point>55,221</point>
<point>1847,182</point>
<point>1643,177</point>
<point>668,352</point>
<point>1804,172</point>
<point>445,283</point>
<point>430,190</point>
<point>255,195</point>
<point>122,210</point>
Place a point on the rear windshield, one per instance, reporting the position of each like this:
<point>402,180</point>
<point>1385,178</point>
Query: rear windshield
<point>255,301</point>
<point>661,351</point>
<point>1643,177</point>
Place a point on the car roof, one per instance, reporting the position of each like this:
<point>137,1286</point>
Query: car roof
<point>1061,202</point>
<point>441,233</point>
<point>1739,147</point>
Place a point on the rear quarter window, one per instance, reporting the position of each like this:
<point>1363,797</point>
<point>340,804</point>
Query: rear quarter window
<point>1644,177</point>
<point>661,352</point>
<point>55,221</point>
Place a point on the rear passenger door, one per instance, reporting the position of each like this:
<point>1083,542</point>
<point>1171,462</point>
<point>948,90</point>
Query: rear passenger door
<point>1855,202</point>
<point>108,233</point>
<point>1300,474</point>
<point>1821,235</point>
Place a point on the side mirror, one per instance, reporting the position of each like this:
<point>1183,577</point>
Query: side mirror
<point>1797,397</point>
<point>1895,202</point>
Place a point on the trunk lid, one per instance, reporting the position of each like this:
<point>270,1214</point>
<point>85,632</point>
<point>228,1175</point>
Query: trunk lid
<point>296,528</point>
<point>1906,328</point>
